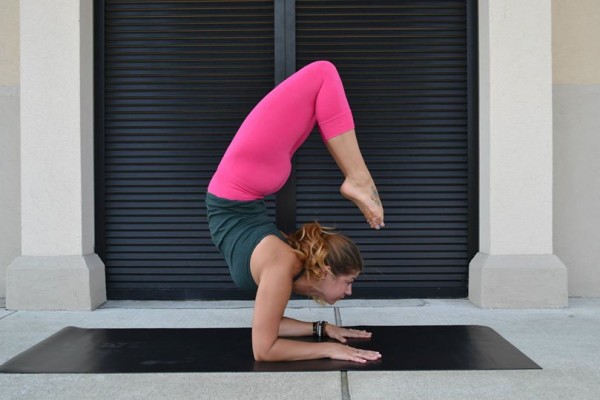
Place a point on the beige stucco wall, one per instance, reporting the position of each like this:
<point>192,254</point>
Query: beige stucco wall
<point>576,102</point>
<point>9,42</point>
<point>10,188</point>
<point>58,269</point>
<point>576,42</point>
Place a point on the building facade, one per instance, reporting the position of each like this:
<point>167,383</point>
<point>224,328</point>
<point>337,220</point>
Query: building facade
<point>537,190</point>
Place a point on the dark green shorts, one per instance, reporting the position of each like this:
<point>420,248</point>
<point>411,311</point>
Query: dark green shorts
<point>236,228</point>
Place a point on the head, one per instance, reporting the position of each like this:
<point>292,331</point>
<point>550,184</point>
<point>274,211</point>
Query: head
<point>331,261</point>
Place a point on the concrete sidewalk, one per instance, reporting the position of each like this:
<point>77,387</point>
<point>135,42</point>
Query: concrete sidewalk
<point>564,342</point>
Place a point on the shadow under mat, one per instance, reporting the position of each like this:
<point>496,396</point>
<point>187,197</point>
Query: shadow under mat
<point>421,347</point>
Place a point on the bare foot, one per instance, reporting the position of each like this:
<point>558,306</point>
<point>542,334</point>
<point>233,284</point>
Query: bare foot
<point>366,198</point>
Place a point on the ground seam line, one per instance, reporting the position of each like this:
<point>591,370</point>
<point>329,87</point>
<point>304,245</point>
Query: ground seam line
<point>8,315</point>
<point>344,374</point>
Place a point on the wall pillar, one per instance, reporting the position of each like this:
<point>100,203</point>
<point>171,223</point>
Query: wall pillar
<point>58,268</point>
<point>516,267</point>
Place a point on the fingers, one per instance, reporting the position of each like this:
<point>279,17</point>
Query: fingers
<point>354,333</point>
<point>340,334</point>
<point>347,353</point>
<point>362,356</point>
<point>337,335</point>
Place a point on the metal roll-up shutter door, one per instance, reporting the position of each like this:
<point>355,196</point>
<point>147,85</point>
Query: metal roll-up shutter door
<point>179,78</point>
<point>405,67</point>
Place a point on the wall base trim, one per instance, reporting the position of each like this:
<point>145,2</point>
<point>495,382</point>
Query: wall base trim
<point>518,281</point>
<point>74,283</point>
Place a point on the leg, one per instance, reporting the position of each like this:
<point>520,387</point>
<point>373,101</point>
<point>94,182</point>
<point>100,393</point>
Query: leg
<point>358,186</point>
<point>257,162</point>
<point>337,129</point>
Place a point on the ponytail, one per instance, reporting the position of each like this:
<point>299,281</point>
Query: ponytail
<point>319,247</point>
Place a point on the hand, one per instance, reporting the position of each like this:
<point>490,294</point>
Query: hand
<point>340,333</point>
<point>346,353</point>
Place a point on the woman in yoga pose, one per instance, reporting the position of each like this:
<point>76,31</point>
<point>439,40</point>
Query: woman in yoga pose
<point>314,261</point>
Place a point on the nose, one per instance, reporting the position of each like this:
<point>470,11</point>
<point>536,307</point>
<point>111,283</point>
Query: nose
<point>348,291</point>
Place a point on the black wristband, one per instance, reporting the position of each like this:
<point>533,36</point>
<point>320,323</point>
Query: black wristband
<point>319,329</point>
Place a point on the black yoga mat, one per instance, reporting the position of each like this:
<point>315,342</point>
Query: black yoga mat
<point>441,347</point>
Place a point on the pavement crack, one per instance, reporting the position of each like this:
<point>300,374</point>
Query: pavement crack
<point>338,317</point>
<point>343,374</point>
<point>8,315</point>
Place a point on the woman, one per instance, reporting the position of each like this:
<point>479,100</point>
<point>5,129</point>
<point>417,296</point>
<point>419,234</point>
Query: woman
<point>314,261</point>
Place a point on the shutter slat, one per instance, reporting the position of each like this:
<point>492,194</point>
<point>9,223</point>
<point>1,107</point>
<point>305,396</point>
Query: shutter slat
<point>404,68</point>
<point>181,75</point>
<point>180,78</point>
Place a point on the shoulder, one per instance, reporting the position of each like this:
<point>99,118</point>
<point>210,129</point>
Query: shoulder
<point>275,257</point>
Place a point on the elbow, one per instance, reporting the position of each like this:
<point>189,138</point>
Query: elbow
<point>262,353</point>
<point>259,357</point>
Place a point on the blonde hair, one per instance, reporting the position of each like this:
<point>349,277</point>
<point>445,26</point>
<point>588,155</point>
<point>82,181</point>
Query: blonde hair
<point>319,247</point>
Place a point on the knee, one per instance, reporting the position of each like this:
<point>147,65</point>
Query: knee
<point>324,67</point>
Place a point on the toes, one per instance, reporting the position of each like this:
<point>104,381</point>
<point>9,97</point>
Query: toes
<point>373,215</point>
<point>375,222</point>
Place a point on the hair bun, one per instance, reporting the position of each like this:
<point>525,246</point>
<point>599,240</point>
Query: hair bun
<point>322,251</point>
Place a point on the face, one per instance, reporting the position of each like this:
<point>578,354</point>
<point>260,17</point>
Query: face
<point>334,288</point>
